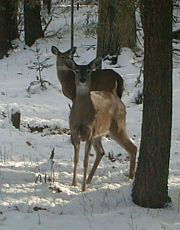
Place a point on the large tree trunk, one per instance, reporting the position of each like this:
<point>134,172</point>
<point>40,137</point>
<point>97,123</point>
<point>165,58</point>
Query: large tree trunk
<point>150,188</point>
<point>116,26</point>
<point>12,8</point>
<point>32,21</point>
<point>5,42</point>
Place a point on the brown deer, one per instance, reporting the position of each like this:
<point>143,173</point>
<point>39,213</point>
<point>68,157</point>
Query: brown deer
<point>65,75</point>
<point>93,115</point>
<point>101,79</point>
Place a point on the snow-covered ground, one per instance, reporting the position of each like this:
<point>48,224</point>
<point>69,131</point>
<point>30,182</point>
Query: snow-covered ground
<point>28,201</point>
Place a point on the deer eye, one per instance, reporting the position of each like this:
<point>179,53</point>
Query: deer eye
<point>88,71</point>
<point>76,71</point>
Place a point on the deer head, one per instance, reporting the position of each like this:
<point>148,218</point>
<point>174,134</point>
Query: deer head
<point>83,74</point>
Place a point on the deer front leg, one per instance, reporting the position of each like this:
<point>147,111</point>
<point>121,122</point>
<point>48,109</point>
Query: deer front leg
<point>99,154</point>
<point>76,144</point>
<point>86,159</point>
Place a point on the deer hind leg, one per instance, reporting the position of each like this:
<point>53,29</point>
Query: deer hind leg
<point>99,154</point>
<point>76,144</point>
<point>122,138</point>
<point>86,159</point>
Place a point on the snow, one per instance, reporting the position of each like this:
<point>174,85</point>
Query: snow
<point>28,203</point>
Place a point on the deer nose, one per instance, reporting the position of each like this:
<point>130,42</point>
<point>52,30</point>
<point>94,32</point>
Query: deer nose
<point>82,79</point>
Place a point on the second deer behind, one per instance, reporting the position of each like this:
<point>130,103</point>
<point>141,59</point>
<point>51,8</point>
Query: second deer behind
<point>101,79</point>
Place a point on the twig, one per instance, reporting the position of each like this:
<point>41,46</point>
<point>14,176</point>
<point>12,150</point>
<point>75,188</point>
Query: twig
<point>178,202</point>
<point>138,78</point>
<point>47,24</point>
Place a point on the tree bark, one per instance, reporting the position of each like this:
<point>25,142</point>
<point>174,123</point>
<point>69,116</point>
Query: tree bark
<point>12,26</point>
<point>5,42</point>
<point>150,188</point>
<point>32,21</point>
<point>47,5</point>
<point>116,26</point>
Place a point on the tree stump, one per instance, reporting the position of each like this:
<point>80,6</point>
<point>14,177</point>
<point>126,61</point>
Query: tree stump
<point>15,118</point>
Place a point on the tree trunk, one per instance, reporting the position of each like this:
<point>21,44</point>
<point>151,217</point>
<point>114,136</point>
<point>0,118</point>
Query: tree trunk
<point>5,42</point>
<point>150,188</point>
<point>12,8</point>
<point>47,5</point>
<point>32,21</point>
<point>116,26</point>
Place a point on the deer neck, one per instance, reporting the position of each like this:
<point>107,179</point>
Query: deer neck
<point>82,90</point>
<point>83,98</point>
<point>61,67</point>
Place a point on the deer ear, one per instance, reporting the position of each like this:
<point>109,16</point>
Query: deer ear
<point>70,64</point>
<point>72,50</point>
<point>55,50</point>
<point>96,63</point>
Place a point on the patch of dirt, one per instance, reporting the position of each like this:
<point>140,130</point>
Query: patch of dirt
<point>46,130</point>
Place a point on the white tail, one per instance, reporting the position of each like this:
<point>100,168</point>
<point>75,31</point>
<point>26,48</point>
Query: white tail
<point>93,115</point>
<point>101,79</point>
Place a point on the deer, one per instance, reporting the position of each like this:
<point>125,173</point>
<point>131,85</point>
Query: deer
<point>101,79</point>
<point>95,114</point>
<point>65,75</point>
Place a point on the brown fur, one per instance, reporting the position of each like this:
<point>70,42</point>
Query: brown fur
<point>102,79</point>
<point>65,75</point>
<point>93,115</point>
